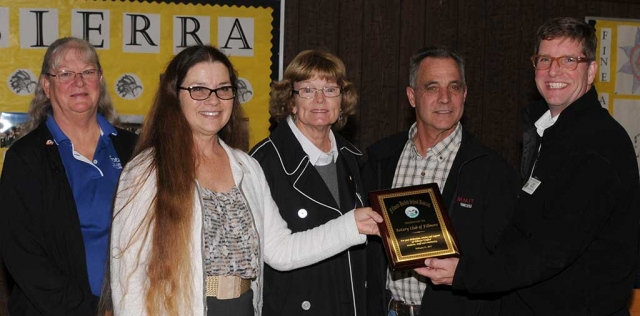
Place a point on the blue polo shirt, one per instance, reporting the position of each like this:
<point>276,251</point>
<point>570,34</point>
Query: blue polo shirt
<point>93,183</point>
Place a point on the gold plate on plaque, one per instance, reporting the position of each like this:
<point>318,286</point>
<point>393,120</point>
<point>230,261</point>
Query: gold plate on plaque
<point>416,225</point>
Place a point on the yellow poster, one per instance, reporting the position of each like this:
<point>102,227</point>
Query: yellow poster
<point>135,41</point>
<point>618,78</point>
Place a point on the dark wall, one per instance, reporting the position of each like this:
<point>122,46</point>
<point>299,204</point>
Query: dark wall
<point>375,39</point>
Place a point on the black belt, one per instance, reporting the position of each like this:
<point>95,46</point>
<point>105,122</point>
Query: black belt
<point>403,309</point>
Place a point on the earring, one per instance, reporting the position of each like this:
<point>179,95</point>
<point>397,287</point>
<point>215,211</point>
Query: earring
<point>340,116</point>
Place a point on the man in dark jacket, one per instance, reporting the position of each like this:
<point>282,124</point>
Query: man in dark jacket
<point>571,246</point>
<point>478,187</point>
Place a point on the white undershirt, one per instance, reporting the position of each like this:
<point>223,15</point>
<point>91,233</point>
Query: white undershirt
<point>316,156</point>
<point>545,121</point>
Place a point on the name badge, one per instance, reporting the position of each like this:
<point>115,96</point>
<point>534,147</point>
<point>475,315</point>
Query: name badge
<point>531,185</point>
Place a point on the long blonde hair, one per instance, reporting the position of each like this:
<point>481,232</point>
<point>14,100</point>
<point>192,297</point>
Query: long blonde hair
<point>173,159</point>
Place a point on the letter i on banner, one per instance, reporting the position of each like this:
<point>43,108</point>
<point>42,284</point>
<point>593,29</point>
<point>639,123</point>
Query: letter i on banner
<point>4,27</point>
<point>33,33</point>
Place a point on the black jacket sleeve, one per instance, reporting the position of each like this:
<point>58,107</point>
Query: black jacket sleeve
<point>29,249</point>
<point>550,230</point>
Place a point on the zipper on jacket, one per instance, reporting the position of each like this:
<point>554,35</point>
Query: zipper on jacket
<point>353,291</point>
<point>260,257</point>
<point>535,161</point>
<point>202,249</point>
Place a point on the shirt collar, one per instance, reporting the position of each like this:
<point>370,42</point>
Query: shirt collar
<point>106,127</point>
<point>316,156</point>
<point>59,136</point>
<point>545,121</point>
<point>56,132</point>
<point>443,147</point>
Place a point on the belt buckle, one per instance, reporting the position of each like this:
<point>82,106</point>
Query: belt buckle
<point>228,287</point>
<point>415,310</point>
<point>398,308</point>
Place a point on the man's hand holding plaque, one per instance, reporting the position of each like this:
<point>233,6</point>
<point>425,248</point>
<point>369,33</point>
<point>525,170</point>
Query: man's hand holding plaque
<point>416,225</point>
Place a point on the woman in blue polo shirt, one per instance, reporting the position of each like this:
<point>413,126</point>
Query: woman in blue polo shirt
<point>58,184</point>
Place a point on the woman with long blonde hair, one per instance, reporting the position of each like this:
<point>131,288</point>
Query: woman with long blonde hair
<point>194,220</point>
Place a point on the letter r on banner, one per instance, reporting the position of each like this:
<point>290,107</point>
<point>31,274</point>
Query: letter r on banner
<point>190,30</point>
<point>141,33</point>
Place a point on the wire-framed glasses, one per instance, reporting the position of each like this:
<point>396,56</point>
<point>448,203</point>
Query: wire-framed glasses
<point>543,62</point>
<point>310,93</point>
<point>199,93</point>
<point>65,76</point>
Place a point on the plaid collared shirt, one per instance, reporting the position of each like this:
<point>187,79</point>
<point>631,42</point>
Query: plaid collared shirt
<point>412,169</point>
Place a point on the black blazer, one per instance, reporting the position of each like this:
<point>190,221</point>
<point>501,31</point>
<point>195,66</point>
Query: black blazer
<point>336,285</point>
<point>571,247</point>
<point>40,236</point>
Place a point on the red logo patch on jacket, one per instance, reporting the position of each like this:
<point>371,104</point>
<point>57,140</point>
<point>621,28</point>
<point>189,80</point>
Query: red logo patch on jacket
<point>465,202</point>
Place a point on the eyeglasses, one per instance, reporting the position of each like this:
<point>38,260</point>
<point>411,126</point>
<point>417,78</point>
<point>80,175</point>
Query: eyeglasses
<point>310,93</point>
<point>542,62</point>
<point>65,76</point>
<point>202,93</point>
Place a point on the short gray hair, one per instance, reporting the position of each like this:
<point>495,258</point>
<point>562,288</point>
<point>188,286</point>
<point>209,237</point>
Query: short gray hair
<point>433,52</point>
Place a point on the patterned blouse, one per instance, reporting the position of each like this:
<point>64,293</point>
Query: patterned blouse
<point>231,242</point>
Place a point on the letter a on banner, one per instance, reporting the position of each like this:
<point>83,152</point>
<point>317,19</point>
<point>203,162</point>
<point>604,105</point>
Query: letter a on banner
<point>235,36</point>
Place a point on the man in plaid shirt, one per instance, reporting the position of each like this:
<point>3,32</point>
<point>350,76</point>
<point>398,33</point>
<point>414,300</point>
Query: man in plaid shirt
<point>478,187</point>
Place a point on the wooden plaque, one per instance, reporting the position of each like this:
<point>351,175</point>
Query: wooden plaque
<point>416,225</point>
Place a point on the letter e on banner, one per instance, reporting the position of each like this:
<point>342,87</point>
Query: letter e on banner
<point>38,27</point>
<point>4,27</point>
<point>141,33</point>
<point>190,30</point>
<point>235,36</point>
<point>92,26</point>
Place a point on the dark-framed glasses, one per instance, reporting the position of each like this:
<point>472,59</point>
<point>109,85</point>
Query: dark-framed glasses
<point>199,93</point>
<point>310,93</point>
<point>543,62</point>
<point>65,76</point>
